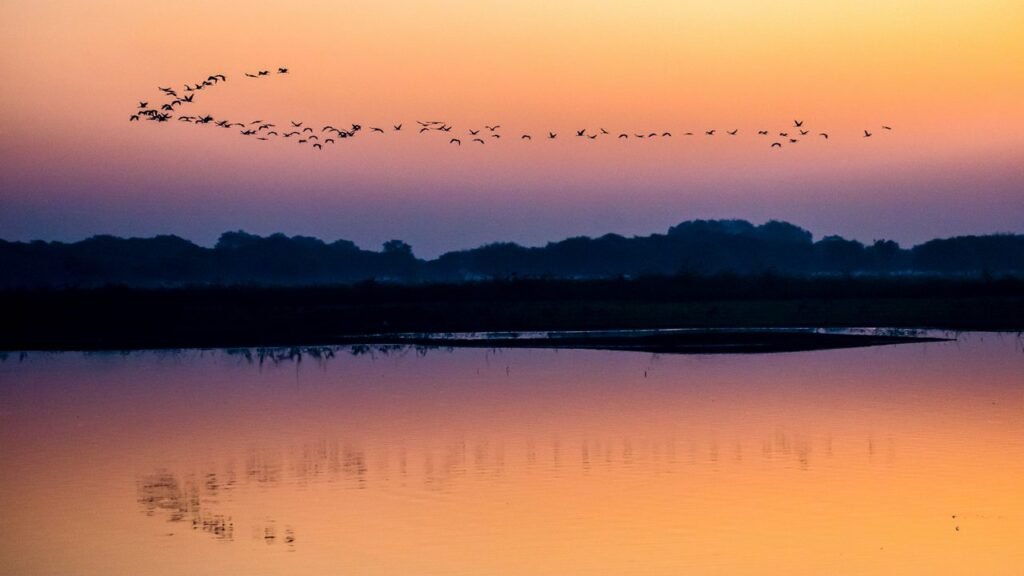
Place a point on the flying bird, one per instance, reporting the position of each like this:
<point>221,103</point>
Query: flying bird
<point>887,127</point>
<point>133,118</point>
<point>762,132</point>
<point>480,140</point>
<point>732,132</point>
<point>372,129</point>
<point>396,127</point>
<point>552,135</point>
<point>525,137</point>
<point>776,145</point>
<point>623,135</point>
<point>664,134</point>
<point>823,134</point>
<point>282,70</point>
<point>492,128</point>
<point>143,104</point>
<point>299,124</point>
<point>581,132</point>
<point>455,141</point>
<point>867,134</point>
<point>798,123</point>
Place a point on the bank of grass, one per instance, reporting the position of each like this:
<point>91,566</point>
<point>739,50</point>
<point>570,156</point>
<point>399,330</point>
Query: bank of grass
<point>228,316</point>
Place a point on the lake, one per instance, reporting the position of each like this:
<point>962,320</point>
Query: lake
<point>900,459</point>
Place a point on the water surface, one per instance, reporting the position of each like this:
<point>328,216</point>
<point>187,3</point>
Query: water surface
<point>901,459</point>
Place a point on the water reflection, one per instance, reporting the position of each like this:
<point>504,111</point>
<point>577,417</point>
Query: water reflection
<point>897,459</point>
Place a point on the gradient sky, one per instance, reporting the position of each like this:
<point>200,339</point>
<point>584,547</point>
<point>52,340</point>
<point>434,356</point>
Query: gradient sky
<point>948,75</point>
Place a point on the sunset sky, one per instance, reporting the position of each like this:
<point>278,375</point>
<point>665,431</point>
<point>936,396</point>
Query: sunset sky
<point>947,75</point>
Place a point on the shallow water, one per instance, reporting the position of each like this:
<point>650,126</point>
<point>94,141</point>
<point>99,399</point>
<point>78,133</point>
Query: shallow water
<point>903,459</point>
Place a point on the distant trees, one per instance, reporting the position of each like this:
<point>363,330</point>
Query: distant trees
<point>696,247</point>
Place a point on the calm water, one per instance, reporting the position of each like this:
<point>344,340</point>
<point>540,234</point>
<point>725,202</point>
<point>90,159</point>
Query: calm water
<point>891,460</point>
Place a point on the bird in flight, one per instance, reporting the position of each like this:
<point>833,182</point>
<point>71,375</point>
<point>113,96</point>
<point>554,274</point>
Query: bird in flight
<point>282,70</point>
<point>473,132</point>
<point>776,145</point>
<point>824,134</point>
<point>455,141</point>
<point>798,123</point>
<point>552,135</point>
<point>867,134</point>
<point>396,127</point>
<point>581,132</point>
<point>372,129</point>
<point>732,132</point>
<point>710,132</point>
<point>525,137</point>
<point>134,118</point>
<point>762,132</point>
<point>624,135</point>
<point>492,128</point>
<point>803,132</point>
<point>480,140</point>
<point>299,124</point>
<point>887,127</point>
<point>318,146</point>
<point>143,104</point>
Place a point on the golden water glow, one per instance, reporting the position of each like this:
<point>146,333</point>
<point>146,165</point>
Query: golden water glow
<point>539,462</point>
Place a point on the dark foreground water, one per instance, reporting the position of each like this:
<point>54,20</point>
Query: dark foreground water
<point>904,459</point>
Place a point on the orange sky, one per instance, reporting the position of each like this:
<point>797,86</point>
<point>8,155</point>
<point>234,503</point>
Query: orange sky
<point>948,75</point>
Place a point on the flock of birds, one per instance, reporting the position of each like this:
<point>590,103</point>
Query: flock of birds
<point>328,135</point>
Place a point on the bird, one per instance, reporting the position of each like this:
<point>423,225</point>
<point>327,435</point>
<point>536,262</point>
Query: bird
<point>710,132</point>
<point>552,135</point>
<point>867,134</point>
<point>783,133</point>
<point>299,124</point>
<point>495,135</point>
<point>308,128</point>
<point>372,129</point>
<point>143,104</point>
<point>887,127</point>
<point>762,132</point>
<point>329,141</point>
<point>581,132</point>
<point>480,140</point>
<point>251,75</point>
<point>422,130</point>
<point>603,131</point>
<point>652,134</point>
<point>133,118</point>
<point>474,132</point>
<point>823,134</point>
<point>525,137</point>
<point>592,136</point>
<point>263,72</point>
<point>798,123</point>
<point>492,128</point>
<point>396,127</point>
<point>623,136</point>
<point>664,134</point>
<point>318,146</point>
<point>282,70</point>
<point>803,132</point>
<point>793,140</point>
<point>732,132</point>
<point>455,141</point>
<point>776,145</point>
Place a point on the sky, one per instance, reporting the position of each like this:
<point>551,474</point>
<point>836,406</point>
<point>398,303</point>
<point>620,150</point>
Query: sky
<point>946,75</point>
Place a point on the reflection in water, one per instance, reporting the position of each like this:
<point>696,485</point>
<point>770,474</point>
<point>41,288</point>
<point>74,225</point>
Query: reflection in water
<point>900,459</point>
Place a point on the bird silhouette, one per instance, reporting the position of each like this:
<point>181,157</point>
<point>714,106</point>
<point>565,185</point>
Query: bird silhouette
<point>666,134</point>
<point>887,127</point>
<point>824,134</point>
<point>732,132</point>
<point>299,124</point>
<point>581,132</point>
<point>143,104</point>
<point>762,132</point>
<point>867,134</point>
<point>282,70</point>
<point>624,136</point>
<point>474,132</point>
<point>776,145</point>
<point>133,118</point>
<point>552,135</point>
<point>480,140</point>
<point>525,137</point>
<point>710,132</point>
<point>492,128</point>
<point>396,127</point>
<point>798,123</point>
<point>455,141</point>
<point>372,129</point>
